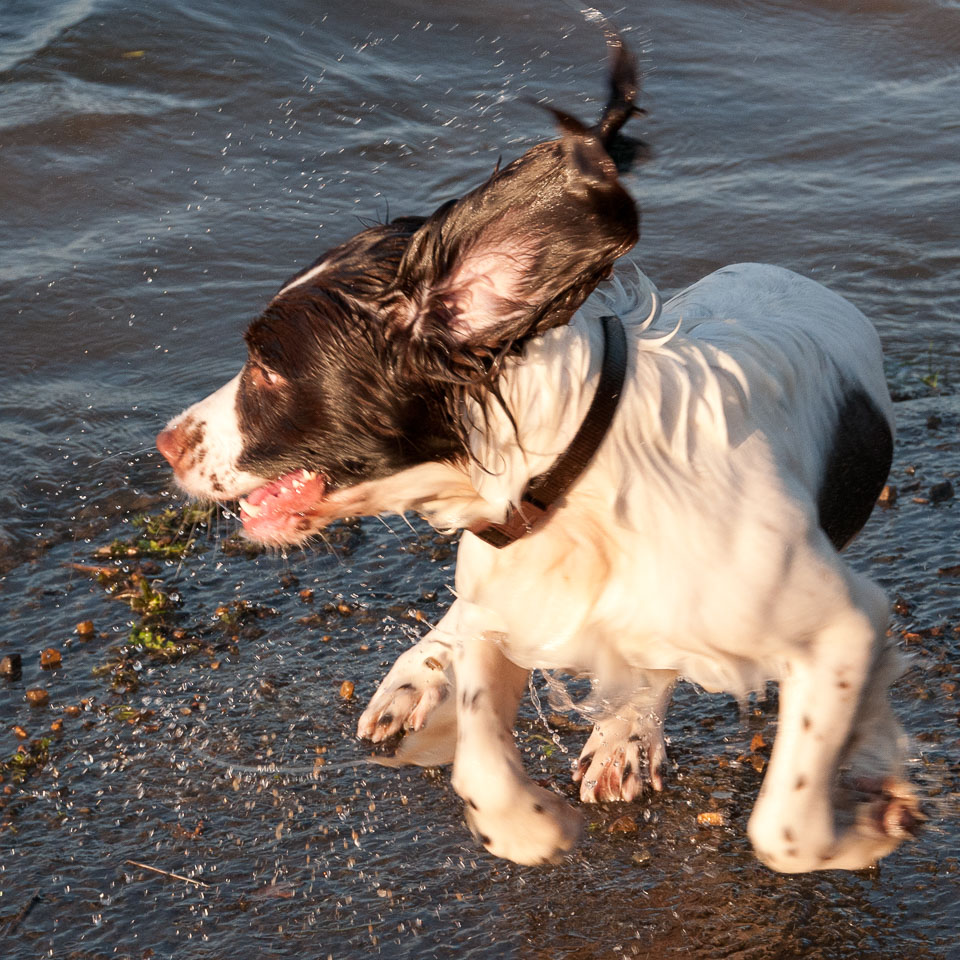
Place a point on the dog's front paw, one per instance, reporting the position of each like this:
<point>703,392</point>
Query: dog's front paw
<point>620,758</point>
<point>416,684</point>
<point>537,827</point>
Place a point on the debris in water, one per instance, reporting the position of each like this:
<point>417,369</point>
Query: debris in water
<point>50,658</point>
<point>167,873</point>
<point>11,666</point>
<point>941,491</point>
<point>37,697</point>
<point>711,818</point>
<point>346,690</point>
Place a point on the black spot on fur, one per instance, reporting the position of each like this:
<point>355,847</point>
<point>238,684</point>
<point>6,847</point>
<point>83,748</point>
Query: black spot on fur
<point>806,722</point>
<point>538,808</point>
<point>856,469</point>
<point>471,804</point>
<point>474,702</point>
<point>405,686</point>
<point>484,839</point>
<point>800,784</point>
<point>585,761</point>
<point>386,720</point>
<point>627,770</point>
<point>788,835</point>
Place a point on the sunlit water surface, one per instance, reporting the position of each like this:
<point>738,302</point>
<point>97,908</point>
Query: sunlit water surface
<point>164,168</point>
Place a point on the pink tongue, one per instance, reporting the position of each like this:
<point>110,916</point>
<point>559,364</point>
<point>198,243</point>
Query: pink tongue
<point>290,494</point>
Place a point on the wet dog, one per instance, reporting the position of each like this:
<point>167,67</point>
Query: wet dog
<point>644,495</point>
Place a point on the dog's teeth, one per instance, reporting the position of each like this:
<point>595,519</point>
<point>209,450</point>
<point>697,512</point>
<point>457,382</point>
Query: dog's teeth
<point>250,509</point>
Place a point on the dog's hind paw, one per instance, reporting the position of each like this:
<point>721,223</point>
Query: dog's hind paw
<point>621,758</point>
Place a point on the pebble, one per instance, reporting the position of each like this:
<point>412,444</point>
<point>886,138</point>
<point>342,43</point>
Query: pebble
<point>11,666</point>
<point>346,690</point>
<point>941,491</point>
<point>711,818</point>
<point>888,496</point>
<point>50,658</point>
<point>85,629</point>
<point>624,824</point>
<point>37,697</point>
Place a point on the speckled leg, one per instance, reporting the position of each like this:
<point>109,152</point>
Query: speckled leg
<point>511,816</point>
<point>833,797</point>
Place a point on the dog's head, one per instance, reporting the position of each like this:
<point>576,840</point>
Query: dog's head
<point>359,367</point>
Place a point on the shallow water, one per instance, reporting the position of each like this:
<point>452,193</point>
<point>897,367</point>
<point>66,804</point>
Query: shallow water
<point>164,169</point>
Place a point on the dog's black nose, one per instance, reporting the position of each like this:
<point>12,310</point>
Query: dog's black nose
<point>172,443</point>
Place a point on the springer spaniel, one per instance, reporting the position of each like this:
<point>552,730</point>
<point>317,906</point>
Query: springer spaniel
<point>445,364</point>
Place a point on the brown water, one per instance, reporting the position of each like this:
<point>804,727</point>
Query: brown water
<point>163,168</point>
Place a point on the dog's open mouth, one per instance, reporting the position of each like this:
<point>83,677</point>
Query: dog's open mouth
<point>286,509</point>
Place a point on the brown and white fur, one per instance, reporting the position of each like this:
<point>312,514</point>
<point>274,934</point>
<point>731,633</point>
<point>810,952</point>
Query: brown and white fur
<point>439,364</point>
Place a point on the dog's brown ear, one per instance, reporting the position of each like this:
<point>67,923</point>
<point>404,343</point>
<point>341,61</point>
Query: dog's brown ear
<point>521,252</point>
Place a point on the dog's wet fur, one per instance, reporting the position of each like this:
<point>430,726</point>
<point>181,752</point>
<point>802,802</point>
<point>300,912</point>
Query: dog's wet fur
<point>439,363</point>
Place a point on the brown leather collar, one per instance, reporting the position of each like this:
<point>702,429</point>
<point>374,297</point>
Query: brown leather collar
<point>542,492</point>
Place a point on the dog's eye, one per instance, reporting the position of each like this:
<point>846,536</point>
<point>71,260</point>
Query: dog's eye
<point>262,376</point>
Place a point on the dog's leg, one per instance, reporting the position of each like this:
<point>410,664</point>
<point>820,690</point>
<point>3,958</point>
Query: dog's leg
<point>626,749</point>
<point>415,699</point>
<point>419,680</point>
<point>832,797</point>
<point>509,815</point>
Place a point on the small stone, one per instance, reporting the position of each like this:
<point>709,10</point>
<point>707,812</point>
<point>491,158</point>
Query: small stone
<point>901,607</point>
<point>624,824</point>
<point>72,710</point>
<point>346,690</point>
<point>20,732</point>
<point>757,743</point>
<point>344,609</point>
<point>711,818</point>
<point>306,596</point>
<point>57,725</point>
<point>50,658</point>
<point>85,629</point>
<point>11,666</point>
<point>888,496</point>
<point>37,697</point>
<point>941,491</point>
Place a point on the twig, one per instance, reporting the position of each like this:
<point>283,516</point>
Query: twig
<point>24,912</point>
<point>166,873</point>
